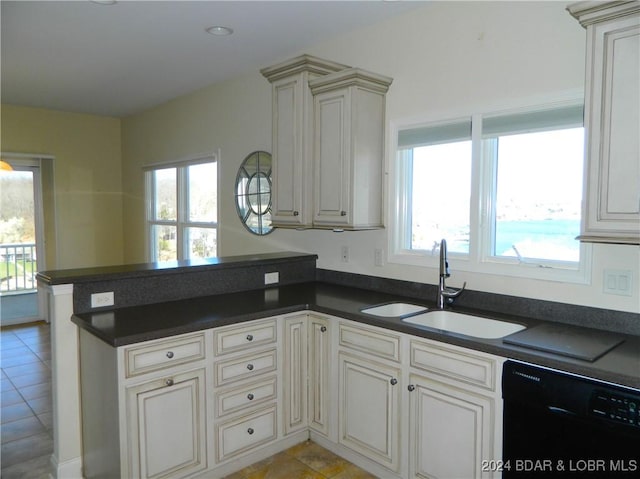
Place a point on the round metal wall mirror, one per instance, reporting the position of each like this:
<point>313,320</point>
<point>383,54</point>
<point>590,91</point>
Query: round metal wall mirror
<point>253,192</point>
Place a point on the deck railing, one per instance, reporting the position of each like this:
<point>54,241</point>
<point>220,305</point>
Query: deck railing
<point>18,267</point>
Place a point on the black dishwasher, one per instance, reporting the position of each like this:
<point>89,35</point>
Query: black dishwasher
<point>560,425</point>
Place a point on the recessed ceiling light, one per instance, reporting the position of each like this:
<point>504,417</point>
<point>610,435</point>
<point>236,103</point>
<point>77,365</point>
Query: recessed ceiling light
<point>219,30</point>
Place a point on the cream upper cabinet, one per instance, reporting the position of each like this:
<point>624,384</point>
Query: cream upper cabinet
<point>348,154</point>
<point>292,109</point>
<point>328,144</point>
<point>612,121</point>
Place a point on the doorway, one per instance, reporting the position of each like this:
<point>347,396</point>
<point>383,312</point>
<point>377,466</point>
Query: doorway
<point>22,249</point>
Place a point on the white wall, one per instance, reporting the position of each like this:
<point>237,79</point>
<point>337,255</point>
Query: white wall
<point>447,59</point>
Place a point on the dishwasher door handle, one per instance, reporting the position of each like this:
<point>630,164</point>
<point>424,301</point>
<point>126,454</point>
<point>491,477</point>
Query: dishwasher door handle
<point>561,411</point>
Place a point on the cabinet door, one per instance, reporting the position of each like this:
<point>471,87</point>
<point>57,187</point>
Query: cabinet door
<point>295,373</point>
<point>292,150</point>
<point>318,373</point>
<point>612,123</point>
<point>332,169</point>
<point>451,431</point>
<point>167,428</point>
<point>370,409</point>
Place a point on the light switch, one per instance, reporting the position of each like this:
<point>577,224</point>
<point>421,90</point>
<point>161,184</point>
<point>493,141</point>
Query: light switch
<point>618,282</point>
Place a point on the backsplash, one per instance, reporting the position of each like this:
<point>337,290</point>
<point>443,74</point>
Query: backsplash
<point>246,274</point>
<point>609,320</point>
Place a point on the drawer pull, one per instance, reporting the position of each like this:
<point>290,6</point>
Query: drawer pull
<point>296,213</point>
<point>250,397</point>
<point>323,329</point>
<point>393,381</point>
<point>250,367</point>
<point>250,430</point>
<point>343,213</point>
<point>170,354</point>
<point>169,382</point>
<point>249,337</point>
<point>411,387</point>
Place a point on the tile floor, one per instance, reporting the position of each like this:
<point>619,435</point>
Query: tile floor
<point>26,429</point>
<point>306,460</point>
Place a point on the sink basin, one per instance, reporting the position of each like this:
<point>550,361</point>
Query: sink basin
<point>394,310</point>
<point>467,324</point>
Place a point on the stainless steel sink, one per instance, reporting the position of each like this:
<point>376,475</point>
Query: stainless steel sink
<point>466,324</point>
<point>394,310</point>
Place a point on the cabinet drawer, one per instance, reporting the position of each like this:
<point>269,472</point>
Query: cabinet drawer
<point>245,367</point>
<point>249,395</point>
<point>163,354</point>
<point>244,336</point>
<point>456,363</point>
<point>240,435</point>
<point>370,341</point>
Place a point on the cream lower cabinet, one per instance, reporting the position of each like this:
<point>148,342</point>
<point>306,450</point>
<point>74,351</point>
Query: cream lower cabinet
<point>369,390</point>
<point>450,428</point>
<point>306,372</point>
<point>144,407</point>
<point>318,370</point>
<point>208,403</point>
<point>295,392</point>
<point>167,426</point>
<point>369,411</point>
<point>245,387</point>
<point>455,412</point>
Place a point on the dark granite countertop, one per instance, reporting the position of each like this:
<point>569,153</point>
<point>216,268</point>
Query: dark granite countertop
<point>145,270</point>
<point>134,324</point>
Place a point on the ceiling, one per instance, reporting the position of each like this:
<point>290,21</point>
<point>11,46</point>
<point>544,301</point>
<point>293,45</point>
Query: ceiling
<point>119,59</point>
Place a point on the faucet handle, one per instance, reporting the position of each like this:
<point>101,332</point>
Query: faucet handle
<point>451,293</point>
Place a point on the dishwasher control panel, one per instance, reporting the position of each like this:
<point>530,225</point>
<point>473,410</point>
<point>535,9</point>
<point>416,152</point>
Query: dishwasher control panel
<point>616,407</point>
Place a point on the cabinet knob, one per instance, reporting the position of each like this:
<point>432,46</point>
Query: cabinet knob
<point>323,329</point>
<point>343,213</point>
<point>249,337</point>
<point>169,354</point>
<point>250,397</point>
<point>295,213</point>
<point>411,387</point>
<point>393,381</point>
<point>250,430</point>
<point>169,382</point>
<point>250,367</point>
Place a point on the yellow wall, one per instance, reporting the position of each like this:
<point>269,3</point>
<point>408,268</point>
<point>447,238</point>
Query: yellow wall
<point>87,180</point>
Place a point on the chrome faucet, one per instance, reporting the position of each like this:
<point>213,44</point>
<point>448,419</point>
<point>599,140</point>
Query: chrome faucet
<point>446,295</point>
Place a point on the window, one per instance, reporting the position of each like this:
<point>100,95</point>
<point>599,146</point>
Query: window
<point>505,190</point>
<point>182,210</point>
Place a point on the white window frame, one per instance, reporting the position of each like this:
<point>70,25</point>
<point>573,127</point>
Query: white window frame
<point>479,260</point>
<point>181,222</point>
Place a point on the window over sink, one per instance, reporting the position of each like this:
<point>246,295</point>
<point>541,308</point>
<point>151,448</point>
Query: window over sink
<point>504,189</point>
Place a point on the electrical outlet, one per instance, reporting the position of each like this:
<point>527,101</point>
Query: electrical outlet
<point>344,254</point>
<point>271,278</point>
<point>377,257</point>
<point>101,300</point>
